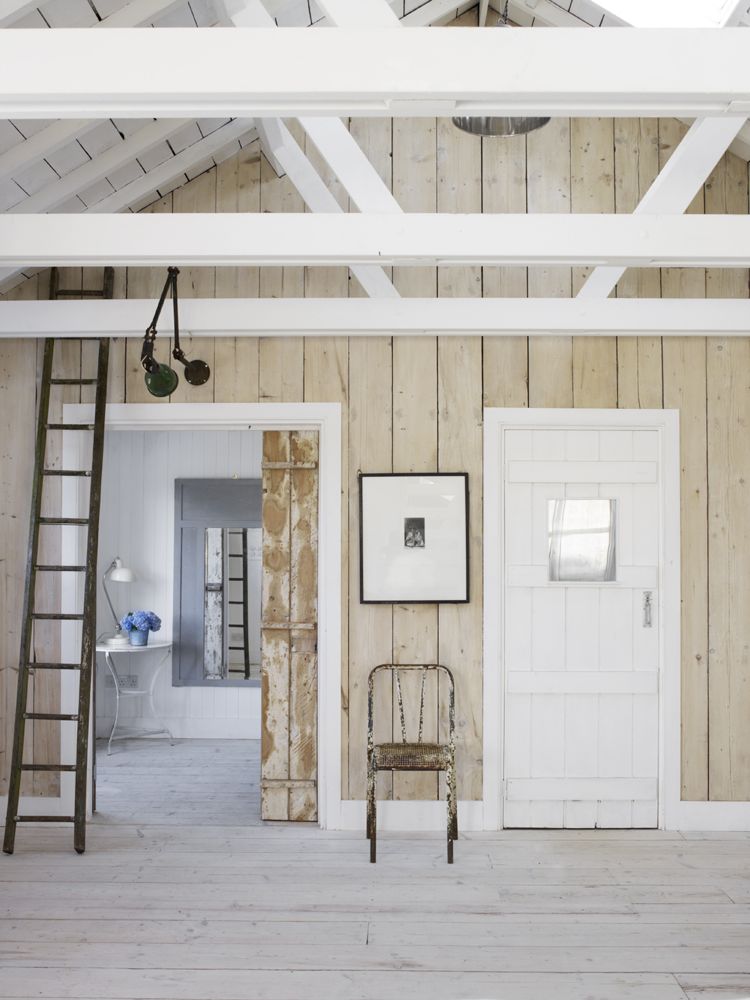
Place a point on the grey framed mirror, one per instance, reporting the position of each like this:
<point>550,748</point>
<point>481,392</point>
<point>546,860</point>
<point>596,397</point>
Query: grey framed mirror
<point>218,553</point>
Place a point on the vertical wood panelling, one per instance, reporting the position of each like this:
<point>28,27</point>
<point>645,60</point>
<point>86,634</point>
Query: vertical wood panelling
<point>639,375</point>
<point>548,190</point>
<point>592,171</point>
<point>415,626</point>
<point>415,189</point>
<point>685,389</point>
<point>18,366</point>
<point>729,593</point>
<point>236,362</point>
<point>370,625</point>
<point>327,380</point>
<point>460,625</point>
<point>196,282</point>
<point>729,532</point>
<point>390,394</point>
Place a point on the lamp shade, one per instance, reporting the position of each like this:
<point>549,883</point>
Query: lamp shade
<point>120,573</point>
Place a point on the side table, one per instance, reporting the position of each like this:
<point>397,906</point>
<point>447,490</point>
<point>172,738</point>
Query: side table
<point>162,649</point>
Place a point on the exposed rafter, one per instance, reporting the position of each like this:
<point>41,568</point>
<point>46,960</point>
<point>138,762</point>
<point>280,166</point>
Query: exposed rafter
<point>675,186</point>
<point>410,239</point>
<point>106,163</point>
<point>48,140</point>
<point>316,195</point>
<point>346,71</point>
<point>359,13</point>
<point>161,176</point>
<point>335,143</point>
<point>364,317</point>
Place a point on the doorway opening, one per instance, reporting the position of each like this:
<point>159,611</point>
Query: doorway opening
<point>320,422</point>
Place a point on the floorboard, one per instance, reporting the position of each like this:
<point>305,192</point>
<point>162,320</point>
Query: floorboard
<point>184,893</point>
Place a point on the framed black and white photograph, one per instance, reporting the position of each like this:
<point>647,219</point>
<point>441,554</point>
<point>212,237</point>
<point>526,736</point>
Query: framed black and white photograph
<point>414,538</point>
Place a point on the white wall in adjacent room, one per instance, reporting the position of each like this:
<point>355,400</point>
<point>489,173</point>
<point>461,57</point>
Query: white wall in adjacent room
<point>137,523</point>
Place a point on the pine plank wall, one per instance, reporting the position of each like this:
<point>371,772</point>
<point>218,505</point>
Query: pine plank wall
<point>414,404</point>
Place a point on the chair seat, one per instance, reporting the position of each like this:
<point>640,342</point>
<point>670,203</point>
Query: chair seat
<point>412,756</point>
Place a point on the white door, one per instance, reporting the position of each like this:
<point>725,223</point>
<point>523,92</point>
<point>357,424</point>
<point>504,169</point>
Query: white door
<point>581,637</point>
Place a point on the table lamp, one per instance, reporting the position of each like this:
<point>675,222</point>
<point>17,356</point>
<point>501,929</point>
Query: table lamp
<point>116,573</point>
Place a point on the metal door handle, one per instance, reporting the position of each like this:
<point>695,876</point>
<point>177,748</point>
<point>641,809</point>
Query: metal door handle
<point>647,622</point>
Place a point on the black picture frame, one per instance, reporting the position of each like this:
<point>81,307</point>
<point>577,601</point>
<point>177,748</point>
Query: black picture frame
<point>416,538</point>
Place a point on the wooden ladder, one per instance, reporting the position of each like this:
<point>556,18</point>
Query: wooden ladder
<point>87,617</point>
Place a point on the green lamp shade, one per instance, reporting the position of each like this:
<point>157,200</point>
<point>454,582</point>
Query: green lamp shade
<point>162,382</point>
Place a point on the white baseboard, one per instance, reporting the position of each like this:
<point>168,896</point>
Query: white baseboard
<point>716,817</point>
<point>190,729</point>
<point>418,816</point>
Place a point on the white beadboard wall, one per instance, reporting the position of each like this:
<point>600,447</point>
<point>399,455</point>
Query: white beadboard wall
<point>137,523</point>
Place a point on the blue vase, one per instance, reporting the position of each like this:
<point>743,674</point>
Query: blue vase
<point>139,637</point>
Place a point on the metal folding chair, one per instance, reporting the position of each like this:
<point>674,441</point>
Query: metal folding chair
<point>406,756</point>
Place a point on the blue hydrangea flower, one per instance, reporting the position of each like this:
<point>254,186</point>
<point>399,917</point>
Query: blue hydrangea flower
<point>143,621</point>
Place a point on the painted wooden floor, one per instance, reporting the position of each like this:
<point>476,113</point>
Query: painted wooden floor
<point>172,906</point>
<point>193,783</point>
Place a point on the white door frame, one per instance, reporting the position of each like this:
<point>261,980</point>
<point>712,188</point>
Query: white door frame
<point>325,418</point>
<point>666,422</point>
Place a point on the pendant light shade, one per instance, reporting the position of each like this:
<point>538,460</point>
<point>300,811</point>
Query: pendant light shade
<point>499,126</point>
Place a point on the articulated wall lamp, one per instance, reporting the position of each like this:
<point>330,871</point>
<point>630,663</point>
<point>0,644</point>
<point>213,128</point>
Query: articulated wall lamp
<point>161,380</point>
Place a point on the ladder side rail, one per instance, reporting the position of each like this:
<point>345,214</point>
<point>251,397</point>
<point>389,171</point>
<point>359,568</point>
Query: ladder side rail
<point>89,602</point>
<point>14,789</point>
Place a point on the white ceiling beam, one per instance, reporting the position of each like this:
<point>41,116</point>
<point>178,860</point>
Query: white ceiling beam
<point>359,13</point>
<point>335,143</point>
<point>364,317</point>
<point>346,71</point>
<point>675,186</point>
<point>157,178</point>
<point>548,14</point>
<point>316,195</point>
<point>89,173</point>
<point>54,136</point>
<point>344,156</point>
<point>410,239</point>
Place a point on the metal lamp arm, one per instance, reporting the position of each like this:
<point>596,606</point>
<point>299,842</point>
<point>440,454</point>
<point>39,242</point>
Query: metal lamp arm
<point>147,351</point>
<point>118,627</point>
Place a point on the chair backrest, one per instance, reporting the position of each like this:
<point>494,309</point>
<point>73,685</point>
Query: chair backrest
<point>395,670</point>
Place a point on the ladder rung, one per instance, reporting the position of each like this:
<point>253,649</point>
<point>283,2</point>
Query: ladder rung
<point>63,520</point>
<point>48,767</point>
<point>70,427</point>
<point>53,666</point>
<point>66,472</point>
<point>50,716</point>
<point>45,819</point>
<point>59,569</point>
<point>49,616</point>
<point>72,381</point>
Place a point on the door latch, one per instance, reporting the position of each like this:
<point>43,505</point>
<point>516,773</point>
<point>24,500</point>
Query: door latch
<point>647,620</point>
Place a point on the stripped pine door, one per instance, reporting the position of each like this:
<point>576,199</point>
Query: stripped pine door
<point>289,698</point>
<point>581,657</point>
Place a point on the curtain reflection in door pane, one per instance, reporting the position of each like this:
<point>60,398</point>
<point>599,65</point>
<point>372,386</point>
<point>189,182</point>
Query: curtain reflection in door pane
<point>582,540</point>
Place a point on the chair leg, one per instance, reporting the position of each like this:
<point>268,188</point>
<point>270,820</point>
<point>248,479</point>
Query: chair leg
<point>450,787</point>
<point>371,809</point>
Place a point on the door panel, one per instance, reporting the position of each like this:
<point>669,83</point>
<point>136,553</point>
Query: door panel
<point>581,658</point>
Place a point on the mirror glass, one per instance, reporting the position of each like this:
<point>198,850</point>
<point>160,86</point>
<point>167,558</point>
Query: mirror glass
<point>231,605</point>
<point>218,579</point>
<point>582,540</point>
